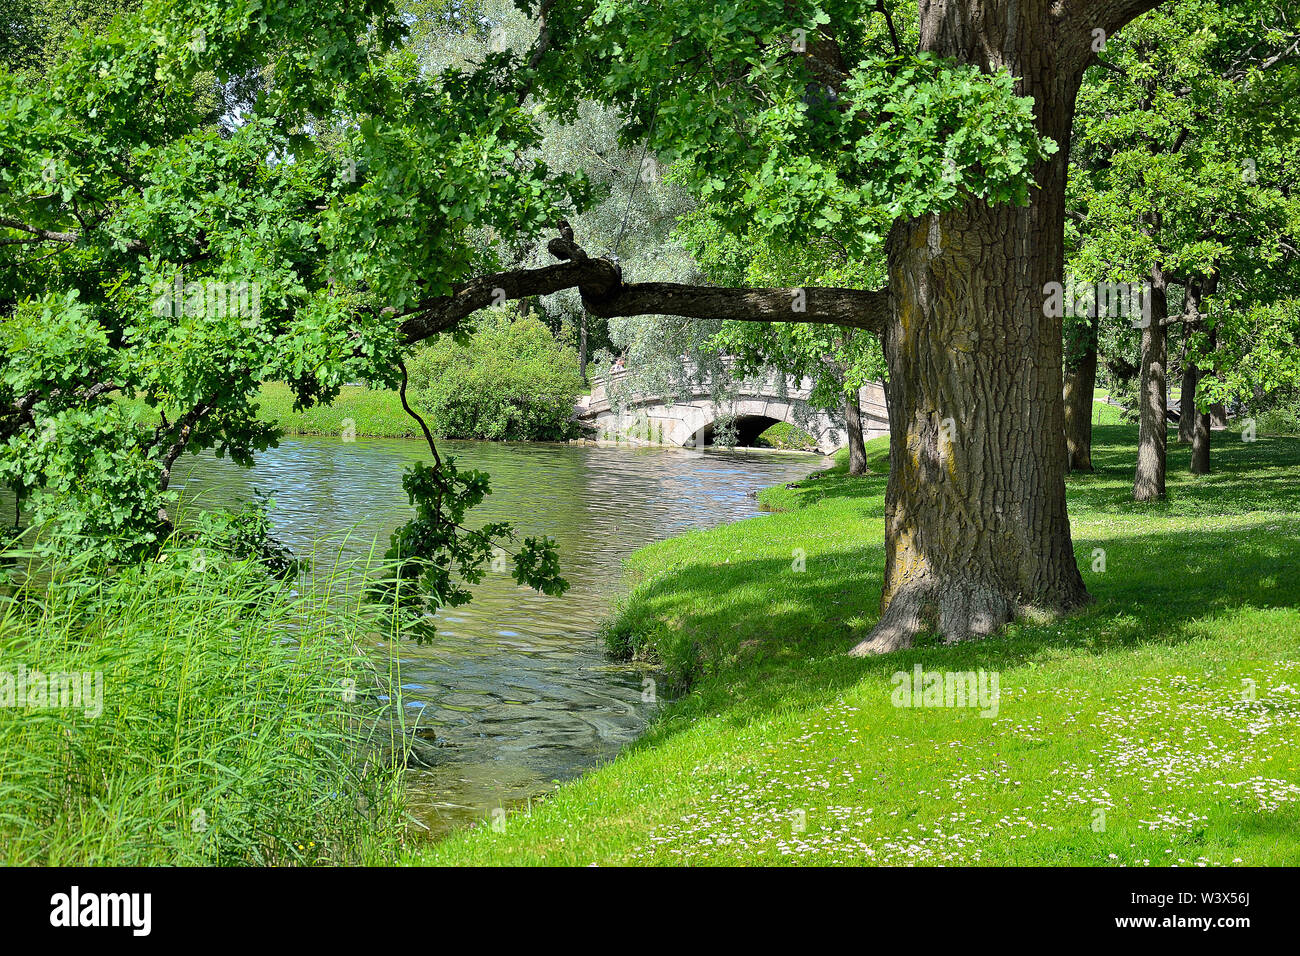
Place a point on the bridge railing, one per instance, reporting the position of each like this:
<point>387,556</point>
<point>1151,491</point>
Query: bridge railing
<point>768,386</point>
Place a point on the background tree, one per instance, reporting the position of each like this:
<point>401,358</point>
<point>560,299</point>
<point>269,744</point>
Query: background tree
<point>1180,182</point>
<point>635,202</point>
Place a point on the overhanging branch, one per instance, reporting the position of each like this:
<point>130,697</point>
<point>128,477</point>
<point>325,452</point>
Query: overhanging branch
<point>605,294</point>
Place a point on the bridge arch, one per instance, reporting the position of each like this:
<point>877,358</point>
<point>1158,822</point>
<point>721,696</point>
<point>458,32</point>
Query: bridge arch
<point>692,420</point>
<point>750,418</point>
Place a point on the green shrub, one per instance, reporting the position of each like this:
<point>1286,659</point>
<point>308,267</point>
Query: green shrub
<point>787,437</point>
<point>511,382</point>
<point>1281,421</point>
<point>1280,414</point>
<point>226,719</point>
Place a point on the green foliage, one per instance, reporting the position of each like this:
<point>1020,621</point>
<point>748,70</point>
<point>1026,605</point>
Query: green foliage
<point>1185,156</point>
<point>787,437</point>
<point>196,198</point>
<point>243,535</point>
<point>223,729</point>
<point>509,381</point>
<point>435,556</point>
<point>895,135</point>
<point>36,31</point>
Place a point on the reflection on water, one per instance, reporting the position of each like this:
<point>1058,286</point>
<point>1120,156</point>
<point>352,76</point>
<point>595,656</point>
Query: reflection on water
<point>515,683</point>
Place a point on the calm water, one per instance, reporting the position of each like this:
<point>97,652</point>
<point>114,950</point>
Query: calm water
<point>515,685</point>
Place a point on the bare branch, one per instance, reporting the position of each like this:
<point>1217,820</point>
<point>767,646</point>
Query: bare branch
<point>539,50</point>
<point>850,308</point>
<point>605,294</point>
<point>893,34</point>
<point>47,235</point>
<point>67,238</point>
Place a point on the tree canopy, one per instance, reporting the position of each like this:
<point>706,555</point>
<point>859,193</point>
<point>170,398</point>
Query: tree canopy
<point>203,195</point>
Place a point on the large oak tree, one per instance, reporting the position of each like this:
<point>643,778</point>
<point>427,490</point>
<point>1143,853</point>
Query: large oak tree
<point>351,185</point>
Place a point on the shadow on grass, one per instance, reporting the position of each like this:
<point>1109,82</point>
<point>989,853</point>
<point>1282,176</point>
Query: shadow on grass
<point>1245,476</point>
<point>778,638</point>
<point>836,483</point>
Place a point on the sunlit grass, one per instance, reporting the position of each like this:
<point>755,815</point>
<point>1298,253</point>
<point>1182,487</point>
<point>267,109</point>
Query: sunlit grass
<point>1160,726</point>
<point>372,413</point>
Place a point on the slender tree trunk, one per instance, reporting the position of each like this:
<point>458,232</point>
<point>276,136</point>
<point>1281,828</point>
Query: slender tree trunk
<point>1201,442</point>
<point>582,345</point>
<point>1218,416</point>
<point>1187,402</point>
<point>1192,294</point>
<point>1153,401</point>
<point>1201,428</point>
<point>976,530</point>
<point>853,422</point>
<point>1080,383</point>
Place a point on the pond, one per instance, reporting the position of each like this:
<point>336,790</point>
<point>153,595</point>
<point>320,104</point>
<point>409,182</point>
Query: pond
<point>516,684</point>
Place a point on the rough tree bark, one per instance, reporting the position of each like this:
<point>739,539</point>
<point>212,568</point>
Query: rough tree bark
<point>1149,477</point>
<point>853,423</point>
<point>1194,291</point>
<point>605,294</point>
<point>1080,384</point>
<point>976,524</point>
<point>1200,440</point>
<point>1200,427</point>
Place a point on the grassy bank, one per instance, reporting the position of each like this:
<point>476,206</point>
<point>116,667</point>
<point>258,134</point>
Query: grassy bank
<point>1157,727</point>
<point>377,413</point>
<point>371,413</point>
<point>213,717</point>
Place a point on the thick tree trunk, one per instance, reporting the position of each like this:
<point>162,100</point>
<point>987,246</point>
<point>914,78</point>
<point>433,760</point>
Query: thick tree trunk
<point>976,526</point>
<point>853,423</point>
<point>1080,383</point>
<point>1149,479</point>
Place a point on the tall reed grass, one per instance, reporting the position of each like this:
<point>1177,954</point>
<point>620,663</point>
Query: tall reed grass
<point>236,724</point>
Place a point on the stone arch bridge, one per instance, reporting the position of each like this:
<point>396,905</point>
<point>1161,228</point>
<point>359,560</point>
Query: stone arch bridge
<point>691,418</point>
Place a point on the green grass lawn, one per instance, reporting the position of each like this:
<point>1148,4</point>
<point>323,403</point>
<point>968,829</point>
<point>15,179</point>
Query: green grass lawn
<point>373,413</point>
<point>1104,413</point>
<point>1161,726</point>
